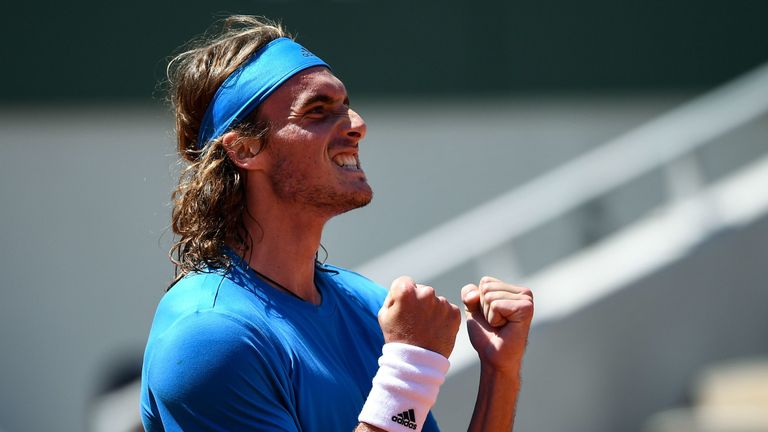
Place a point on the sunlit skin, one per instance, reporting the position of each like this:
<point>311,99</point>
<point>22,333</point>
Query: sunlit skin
<point>311,125</point>
<point>295,184</point>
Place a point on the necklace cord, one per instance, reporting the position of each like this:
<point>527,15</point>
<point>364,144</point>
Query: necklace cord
<point>277,284</point>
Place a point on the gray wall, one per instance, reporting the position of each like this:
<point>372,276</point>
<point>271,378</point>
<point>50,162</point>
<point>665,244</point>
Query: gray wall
<point>611,365</point>
<point>84,209</point>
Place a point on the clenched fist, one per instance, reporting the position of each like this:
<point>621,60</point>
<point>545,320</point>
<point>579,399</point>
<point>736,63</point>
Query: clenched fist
<point>498,320</point>
<point>414,315</point>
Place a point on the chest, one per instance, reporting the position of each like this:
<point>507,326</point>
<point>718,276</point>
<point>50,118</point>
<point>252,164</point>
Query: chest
<point>332,364</point>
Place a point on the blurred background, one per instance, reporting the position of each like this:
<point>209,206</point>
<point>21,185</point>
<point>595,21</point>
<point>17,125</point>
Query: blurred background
<point>611,155</point>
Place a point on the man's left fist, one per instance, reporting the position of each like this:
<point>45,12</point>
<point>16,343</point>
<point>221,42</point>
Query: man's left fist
<point>498,320</point>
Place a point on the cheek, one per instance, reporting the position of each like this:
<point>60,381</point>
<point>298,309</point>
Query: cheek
<point>295,134</point>
<point>288,133</point>
<point>295,146</point>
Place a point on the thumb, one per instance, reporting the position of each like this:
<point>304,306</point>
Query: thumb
<point>470,295</point>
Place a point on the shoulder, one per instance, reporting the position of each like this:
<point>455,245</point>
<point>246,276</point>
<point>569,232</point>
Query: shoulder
<point>224,290</point>
<point>357,285</point>
<point>195,290</point>
<point>207,347</point>
<point>212,371</point>
<point>201,323</point>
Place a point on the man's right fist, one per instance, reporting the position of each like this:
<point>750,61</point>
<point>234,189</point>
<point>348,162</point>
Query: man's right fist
<point>412,314</point>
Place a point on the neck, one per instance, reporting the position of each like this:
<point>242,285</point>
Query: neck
<point>283,243</point>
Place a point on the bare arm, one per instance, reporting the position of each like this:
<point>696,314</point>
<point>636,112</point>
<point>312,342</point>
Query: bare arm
<point>413,315</point>
<point>496,402</point>
<point>364,427</point>
<point>498,320</point>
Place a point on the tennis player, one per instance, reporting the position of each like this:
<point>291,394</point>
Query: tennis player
<point>255,333</point>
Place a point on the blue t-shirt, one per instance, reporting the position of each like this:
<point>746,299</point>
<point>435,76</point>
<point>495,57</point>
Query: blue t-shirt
<point>228,352</point>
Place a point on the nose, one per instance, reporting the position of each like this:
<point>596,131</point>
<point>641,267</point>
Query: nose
<point>357,127</point>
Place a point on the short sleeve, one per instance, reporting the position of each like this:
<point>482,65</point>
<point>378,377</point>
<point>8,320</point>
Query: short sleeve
<point>430,425</point>
<point>211,372</point>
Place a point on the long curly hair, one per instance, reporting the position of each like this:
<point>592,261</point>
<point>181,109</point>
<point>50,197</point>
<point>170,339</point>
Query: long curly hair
<point>209,200</point>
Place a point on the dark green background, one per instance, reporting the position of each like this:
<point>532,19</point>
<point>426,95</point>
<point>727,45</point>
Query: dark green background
<point>97,51</point>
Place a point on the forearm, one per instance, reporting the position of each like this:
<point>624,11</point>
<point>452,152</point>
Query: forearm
<point>496,401</point>
<point>365,427</point>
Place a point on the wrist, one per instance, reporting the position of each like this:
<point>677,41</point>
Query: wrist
<point>497,359</point>
<point>507,372</point>
<point>496,400</point>
<point>405,387</point>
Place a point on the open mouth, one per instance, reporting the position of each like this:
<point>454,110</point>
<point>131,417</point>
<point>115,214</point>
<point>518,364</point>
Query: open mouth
<point>347,161</point>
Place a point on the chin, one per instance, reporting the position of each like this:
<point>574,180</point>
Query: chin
<point>357,200</point>
<point>339,203</point>
<point>329,200</point>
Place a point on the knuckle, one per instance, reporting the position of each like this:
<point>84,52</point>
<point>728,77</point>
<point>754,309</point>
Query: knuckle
<point>404,291</point>
<point>454,308</point>
<point>494,307</point>
<point>456,312</point>
<point>408,290</point>
<point>403,283</point>
<point>524,308</point>
<point>426,291</point>
<point>490,297</point>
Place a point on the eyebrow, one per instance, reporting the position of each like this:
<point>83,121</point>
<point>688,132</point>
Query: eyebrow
<point>324,98</point>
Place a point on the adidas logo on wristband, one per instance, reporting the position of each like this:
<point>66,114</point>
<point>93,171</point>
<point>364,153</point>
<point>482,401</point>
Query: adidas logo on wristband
<point>408,376</point>
<point>405,418</point>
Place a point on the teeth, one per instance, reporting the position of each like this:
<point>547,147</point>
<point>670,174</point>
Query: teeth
<point>345,161</point>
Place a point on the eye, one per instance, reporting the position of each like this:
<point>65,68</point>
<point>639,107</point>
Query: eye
<point>317,110</point>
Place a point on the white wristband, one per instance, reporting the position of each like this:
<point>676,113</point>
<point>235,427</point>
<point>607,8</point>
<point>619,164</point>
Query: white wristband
<point>405,387</point>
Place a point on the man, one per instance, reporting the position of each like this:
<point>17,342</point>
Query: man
<point>256,334</point>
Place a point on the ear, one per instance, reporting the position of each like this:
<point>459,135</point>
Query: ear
<point>244,152</point>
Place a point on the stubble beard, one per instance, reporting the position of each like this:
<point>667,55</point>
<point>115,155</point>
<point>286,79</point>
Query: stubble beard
<point>291,186</point>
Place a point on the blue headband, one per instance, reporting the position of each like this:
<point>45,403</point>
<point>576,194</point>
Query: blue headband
<point>250,84</point>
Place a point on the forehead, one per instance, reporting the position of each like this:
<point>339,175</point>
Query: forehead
<point>305,86</point>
